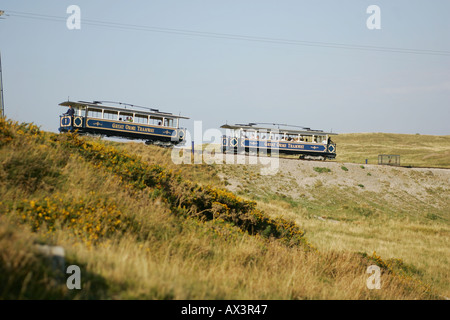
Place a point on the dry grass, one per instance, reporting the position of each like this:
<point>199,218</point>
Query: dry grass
<point>164,255</point>
<point>422,247</point>
<point>400,213</point>
<point>414,150</point>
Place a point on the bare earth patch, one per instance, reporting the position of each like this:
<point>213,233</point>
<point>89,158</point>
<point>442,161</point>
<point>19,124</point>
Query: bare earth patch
<point>298,178</point>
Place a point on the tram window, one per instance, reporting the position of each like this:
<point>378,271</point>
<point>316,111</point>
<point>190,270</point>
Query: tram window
<point>110,115</point>
<point>140,119</point>
<point>156,121</point>
<point>95,113</point>
<point>169,122</point>
<point>127,117</point>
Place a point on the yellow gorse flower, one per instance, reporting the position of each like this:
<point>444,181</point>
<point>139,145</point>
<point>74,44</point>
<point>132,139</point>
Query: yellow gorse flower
<point>186,197</point>
<point>91,221</point>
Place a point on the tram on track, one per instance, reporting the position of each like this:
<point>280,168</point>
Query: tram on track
<point>308,144</point>
<point>124,121</point>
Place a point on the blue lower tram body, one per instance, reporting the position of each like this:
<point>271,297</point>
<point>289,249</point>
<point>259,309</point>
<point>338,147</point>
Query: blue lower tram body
<point>129,130</point>
<point>241,145</point>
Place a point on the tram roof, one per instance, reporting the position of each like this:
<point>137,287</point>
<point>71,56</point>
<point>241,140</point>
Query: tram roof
<point>248,127</point>
<point>151,112</point>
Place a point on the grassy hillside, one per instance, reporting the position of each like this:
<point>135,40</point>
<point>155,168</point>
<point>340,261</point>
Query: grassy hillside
<point>400,213</point>
<point>414,150</point>
<point>140,227</point>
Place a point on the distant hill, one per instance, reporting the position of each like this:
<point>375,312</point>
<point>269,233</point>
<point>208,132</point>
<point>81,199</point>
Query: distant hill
<point>414,149</point>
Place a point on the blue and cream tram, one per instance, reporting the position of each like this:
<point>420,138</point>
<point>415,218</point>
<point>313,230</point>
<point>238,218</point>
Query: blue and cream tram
<point>306,143</point>
<point>151,125</point>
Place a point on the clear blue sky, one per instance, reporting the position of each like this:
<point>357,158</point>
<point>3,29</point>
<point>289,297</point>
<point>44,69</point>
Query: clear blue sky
<point>215,79</point>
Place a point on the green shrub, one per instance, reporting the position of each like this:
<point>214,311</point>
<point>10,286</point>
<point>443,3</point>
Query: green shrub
<point>185,197</point>
<point>33,169</point>
<point>321,169</point>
